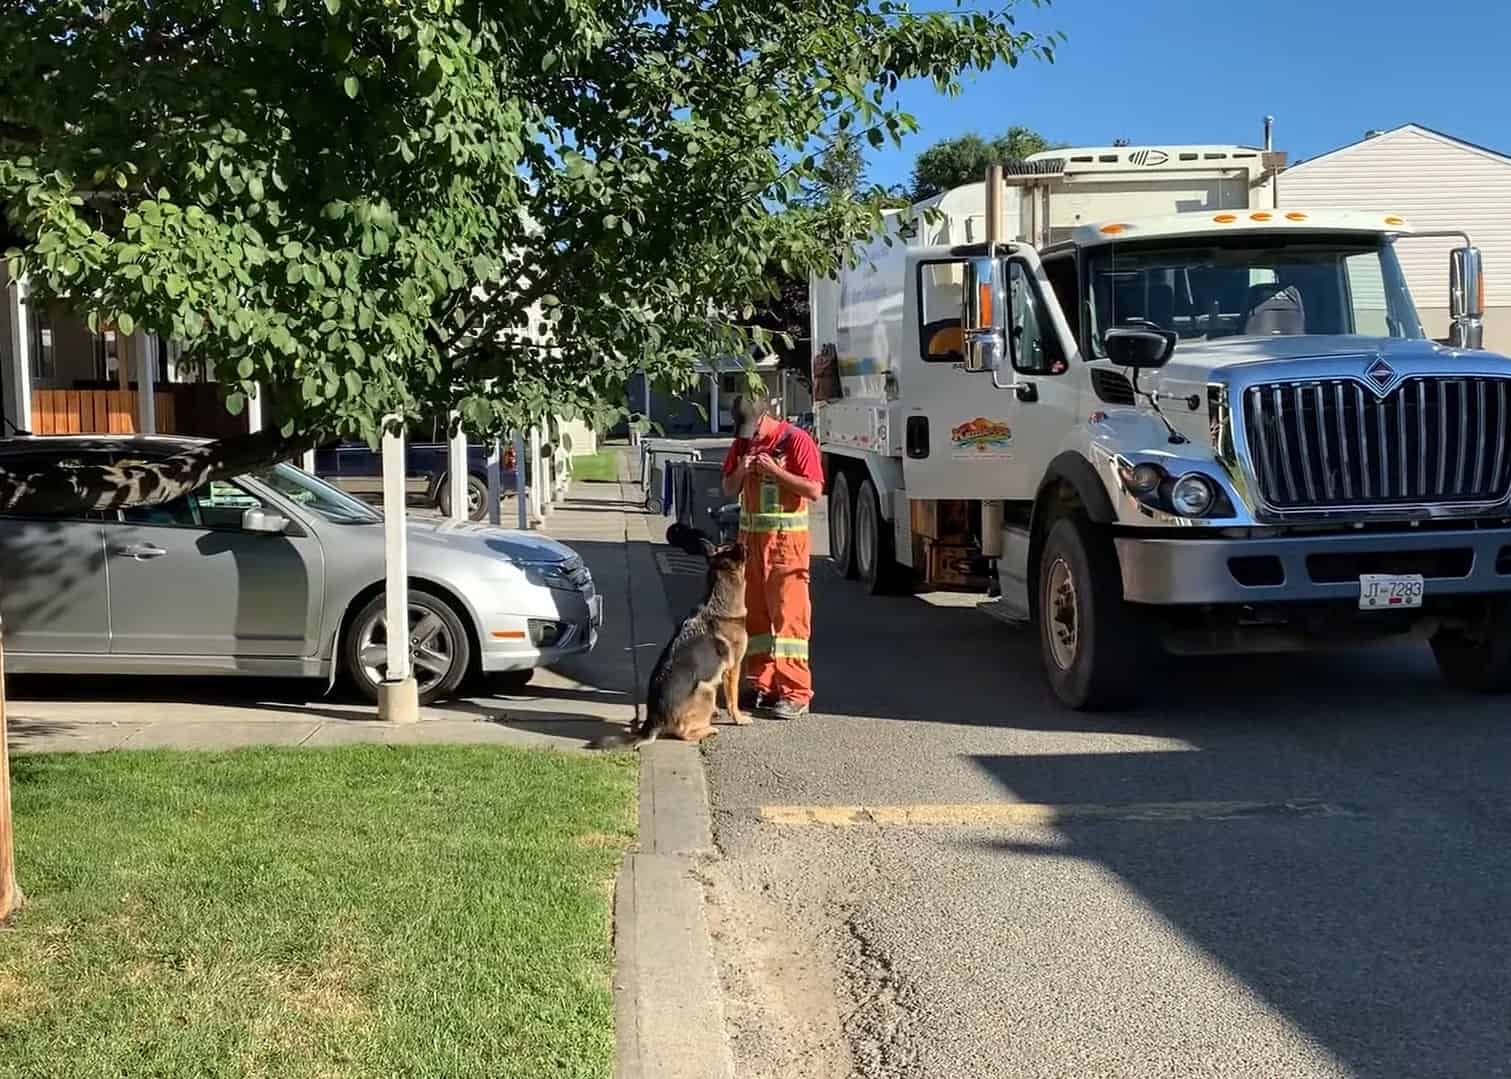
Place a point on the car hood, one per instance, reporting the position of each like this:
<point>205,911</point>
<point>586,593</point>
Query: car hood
<point>487,540</point>
<point>1194,360</point>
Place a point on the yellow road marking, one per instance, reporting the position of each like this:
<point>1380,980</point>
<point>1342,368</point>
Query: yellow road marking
<point>1030,813</point>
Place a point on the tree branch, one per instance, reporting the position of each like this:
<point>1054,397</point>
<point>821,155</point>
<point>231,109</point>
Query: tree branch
<point>145,481</point>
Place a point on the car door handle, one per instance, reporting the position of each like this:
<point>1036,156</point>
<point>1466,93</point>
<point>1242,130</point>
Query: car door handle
<point>1027,392</point>
<point>141,551</point>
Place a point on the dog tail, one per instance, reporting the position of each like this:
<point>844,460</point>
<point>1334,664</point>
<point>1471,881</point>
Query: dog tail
<point>629,739</point>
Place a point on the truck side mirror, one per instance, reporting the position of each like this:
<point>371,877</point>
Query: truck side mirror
<point>983,314</point>
<point>1466,297</point>
<point>1138,347</point>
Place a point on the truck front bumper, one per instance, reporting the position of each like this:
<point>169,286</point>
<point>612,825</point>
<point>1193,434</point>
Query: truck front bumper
<point>1308,568</point>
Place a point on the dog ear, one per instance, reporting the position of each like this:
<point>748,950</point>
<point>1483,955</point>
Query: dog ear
<point>708,547</point>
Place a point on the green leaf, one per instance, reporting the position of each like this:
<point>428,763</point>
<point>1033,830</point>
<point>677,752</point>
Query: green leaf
<point>353,86</point>
<point>254,189</point>
<point>333,6</point>
<point>125,324</point>
<point>548,61</point>
<point>353,383</point>
<point>611,222</point>
<point>235,402</point>
<point>244,367</point>
<point>295,273</point>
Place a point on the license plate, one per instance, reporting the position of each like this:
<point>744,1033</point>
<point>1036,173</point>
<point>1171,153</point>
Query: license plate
<point>1381,591</point>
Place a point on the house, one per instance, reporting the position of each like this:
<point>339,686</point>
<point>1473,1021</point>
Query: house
<point>706,408</point>
<point>1434,181</point>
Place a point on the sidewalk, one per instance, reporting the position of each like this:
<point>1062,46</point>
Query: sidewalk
<point>560,709</point>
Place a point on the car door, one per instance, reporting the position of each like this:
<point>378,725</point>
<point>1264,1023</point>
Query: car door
<point>53,592</point>
<point>985,434</point>
<point>186,579</point>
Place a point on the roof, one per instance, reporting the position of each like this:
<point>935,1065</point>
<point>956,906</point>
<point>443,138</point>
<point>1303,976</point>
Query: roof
<point>1417,129</point>
<point>99,443</point>
<point>1222,222</point>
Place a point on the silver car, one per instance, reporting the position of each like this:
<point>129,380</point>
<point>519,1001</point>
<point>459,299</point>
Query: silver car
<point>275,573</point>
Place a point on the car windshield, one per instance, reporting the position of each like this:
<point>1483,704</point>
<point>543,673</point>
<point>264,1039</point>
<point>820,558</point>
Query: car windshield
<point>1252,286</point>
<point>317,496</point>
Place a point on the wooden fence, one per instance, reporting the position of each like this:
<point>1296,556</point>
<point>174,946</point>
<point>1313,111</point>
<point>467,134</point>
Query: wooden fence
<point>193,408</point>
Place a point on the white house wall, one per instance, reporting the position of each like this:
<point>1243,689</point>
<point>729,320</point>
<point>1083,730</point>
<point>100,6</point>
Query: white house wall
<point>1435,183</point>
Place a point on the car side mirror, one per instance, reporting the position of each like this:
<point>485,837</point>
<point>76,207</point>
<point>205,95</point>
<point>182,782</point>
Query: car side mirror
<point>983,311</point>
<point>1139,347</point>
<point>1466,297</point>
<point>261,521</point>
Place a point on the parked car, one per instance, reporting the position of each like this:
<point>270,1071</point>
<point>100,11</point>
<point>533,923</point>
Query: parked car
<point>357,468</point>
<point>273,573</point>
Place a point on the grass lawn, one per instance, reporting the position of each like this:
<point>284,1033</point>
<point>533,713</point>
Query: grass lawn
<point>597,467</point>
<point>365,911</point>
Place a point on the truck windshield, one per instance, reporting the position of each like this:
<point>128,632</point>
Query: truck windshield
<point>1251,286</point>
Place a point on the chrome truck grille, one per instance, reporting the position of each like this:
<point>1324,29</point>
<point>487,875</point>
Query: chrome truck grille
<point>1336,442</point>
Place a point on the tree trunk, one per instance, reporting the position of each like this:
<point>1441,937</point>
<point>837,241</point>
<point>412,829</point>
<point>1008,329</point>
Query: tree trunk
<point>10,892</point>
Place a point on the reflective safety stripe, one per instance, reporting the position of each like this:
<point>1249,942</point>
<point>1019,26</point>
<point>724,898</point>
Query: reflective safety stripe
<point>774,522</point>
<point>764,644</point>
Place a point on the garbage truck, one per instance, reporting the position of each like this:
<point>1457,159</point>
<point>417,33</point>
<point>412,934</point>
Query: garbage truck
<point>1137,405</point>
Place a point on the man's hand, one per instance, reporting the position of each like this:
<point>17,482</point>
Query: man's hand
<point>762,464</point>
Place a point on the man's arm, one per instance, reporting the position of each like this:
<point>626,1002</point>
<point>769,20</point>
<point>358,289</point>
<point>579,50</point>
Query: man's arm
<point>734,472</point>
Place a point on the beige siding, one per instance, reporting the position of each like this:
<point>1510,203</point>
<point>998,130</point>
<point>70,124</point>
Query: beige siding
<point>1435,183</point>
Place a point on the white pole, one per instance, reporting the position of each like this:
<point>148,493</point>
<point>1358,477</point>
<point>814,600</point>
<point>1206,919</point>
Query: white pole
<point>18,366</point>
<point>146,382</point>
<point>456,472</point>
<point>713,402</point>
<point>538,482</point>
<point>398,696</point>
<point>495,482</point>
<point>307,461</point>
<point>254,411</point>
<point>521,496</point>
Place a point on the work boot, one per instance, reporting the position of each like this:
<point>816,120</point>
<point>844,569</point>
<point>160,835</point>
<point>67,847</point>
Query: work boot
<point>786,708</point>
<point>754,700</point>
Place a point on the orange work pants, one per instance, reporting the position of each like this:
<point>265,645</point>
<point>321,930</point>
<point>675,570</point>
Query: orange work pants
<point>778,614</point>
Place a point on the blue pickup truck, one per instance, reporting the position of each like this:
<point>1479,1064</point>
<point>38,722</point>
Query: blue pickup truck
<point>356,468</point>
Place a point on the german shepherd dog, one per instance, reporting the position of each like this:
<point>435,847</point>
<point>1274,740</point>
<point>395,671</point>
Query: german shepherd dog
<point>707,653</point>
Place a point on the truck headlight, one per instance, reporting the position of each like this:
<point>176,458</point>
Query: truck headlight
<point>1192,495</point>
<point>1143,479</point>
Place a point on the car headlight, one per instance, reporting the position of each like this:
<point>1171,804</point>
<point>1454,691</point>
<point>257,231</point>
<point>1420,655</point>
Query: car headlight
<point>1192,495</point>
<point>548,575</point>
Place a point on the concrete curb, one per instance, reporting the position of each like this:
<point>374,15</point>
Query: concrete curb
<point>668,1007</point>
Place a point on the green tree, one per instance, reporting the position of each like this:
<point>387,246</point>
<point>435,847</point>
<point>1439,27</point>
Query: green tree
<point>963,160</point>
<point>398,207</point>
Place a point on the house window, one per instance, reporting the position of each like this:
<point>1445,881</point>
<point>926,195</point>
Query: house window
<point>107,355</point>
<point>42,364</point>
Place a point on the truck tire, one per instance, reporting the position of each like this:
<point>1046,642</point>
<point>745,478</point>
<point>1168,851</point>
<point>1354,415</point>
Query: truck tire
<point>1088,636</point>
<point>841,511</point>
<point>875,555</point>
<point>477,498</point>
<point>1480,662</point>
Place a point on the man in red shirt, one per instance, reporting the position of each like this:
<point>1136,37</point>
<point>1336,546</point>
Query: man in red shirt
<point>776,470</point>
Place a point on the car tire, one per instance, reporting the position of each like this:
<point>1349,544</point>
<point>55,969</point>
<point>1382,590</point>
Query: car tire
<point>875,554</point>
<point>1481,661</point>
<point>477,498</point>
<point>1089,637</point>
<point>364,650</point>
<point>841,513</point>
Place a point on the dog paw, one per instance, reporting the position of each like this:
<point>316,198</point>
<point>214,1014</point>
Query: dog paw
<point>739,719</point>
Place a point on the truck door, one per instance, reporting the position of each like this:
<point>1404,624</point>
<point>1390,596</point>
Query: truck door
<point>984,434</point>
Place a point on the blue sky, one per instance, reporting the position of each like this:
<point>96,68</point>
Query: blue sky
<point>1163,71</point>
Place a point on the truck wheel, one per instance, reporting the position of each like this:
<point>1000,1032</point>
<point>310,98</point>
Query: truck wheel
<point>1478,661</point>
<point>842,523</point>
<point>1087,634</point>
<point>477,498</point>
<point>875,558</point>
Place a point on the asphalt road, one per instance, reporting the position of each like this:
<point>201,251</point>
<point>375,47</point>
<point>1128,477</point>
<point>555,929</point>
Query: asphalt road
<point>1288,866</point>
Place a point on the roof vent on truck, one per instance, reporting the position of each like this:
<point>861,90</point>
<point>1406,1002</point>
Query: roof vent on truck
<point>1017,168</point>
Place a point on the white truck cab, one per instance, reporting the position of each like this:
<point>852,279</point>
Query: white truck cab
<point>1214,429</point>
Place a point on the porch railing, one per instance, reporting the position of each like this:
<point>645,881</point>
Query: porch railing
<point>181,409</point>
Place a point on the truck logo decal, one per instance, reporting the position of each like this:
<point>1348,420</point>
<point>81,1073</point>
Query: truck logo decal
<point>981,437</point>
<point>1149,158</point>
<point>1381,374</point>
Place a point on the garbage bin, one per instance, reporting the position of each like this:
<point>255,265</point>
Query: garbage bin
<point>698,490</point>
<point>654,457</point>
